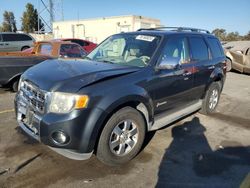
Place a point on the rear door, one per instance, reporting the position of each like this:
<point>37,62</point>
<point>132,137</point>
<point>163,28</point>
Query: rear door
<point>10,43</point>
<point>204,66</point>
<point>173,87</point>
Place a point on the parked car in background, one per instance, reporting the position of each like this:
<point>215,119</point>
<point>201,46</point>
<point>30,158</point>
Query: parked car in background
<point>239,60</point>
<point>13,64</point>
<point>130,84</point>
<point>87,45</point>
<point>10,42</point>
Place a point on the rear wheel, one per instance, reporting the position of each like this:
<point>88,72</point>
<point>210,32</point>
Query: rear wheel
<point>122,137</point>
<point>211,99</point>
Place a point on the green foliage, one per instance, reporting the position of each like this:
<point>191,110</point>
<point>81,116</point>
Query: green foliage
<point>9,22</point>
<point>220,33</point>
<point>247,36</point>
<point>232,36</point>
<point>30,19</point>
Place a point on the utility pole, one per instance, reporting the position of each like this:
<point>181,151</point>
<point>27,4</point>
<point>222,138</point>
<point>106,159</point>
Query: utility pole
<point>47,13</point>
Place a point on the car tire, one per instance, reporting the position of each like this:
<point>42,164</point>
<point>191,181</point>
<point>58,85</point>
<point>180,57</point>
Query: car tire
<point>25,48</point>
<point>15,85</point>
<point>122,137</point>
<point>211,99</point>
<point>229,65</point>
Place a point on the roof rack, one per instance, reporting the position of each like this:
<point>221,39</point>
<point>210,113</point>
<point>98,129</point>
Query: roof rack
<point>177,29</point>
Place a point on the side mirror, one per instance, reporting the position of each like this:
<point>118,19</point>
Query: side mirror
<point>169,63</point>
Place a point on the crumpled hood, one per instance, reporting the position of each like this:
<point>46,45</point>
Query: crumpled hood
<point>72,75</point>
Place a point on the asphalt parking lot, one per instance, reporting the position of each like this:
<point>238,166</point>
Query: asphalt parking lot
<point>198,151</point>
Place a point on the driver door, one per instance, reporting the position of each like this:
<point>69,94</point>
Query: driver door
<point>173,84</point>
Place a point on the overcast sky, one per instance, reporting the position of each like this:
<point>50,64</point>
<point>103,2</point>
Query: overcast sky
<point>207,14</point>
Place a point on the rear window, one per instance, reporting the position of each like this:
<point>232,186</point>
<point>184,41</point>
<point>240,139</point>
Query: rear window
<point>80,42</point>
<point>199,49</point>
<point>16,37</point>
<point>71,51</point>
<point>45,49</point>
<point>215,47</point>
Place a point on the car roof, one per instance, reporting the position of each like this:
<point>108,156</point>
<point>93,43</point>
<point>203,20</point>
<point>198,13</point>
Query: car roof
<point>14,33</point>
<point>173,31</point>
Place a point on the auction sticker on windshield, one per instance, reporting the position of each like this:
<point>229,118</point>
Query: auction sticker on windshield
<point>145,38</point>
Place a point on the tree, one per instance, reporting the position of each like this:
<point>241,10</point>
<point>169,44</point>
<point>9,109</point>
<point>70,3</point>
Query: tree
<point>9,22</point>
<point>233,36</point>
<point>247,36</point>
<point>12,21</point>
<point>220,33</point>
<point>30,19</point>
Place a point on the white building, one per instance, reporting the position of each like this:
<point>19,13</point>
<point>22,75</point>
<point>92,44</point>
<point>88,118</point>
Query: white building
<point>97,29</point>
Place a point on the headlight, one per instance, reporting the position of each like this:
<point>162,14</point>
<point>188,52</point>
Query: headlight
<point>66,102</point>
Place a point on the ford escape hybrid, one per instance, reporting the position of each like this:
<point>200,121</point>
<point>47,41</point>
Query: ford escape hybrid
<point>132,83</point>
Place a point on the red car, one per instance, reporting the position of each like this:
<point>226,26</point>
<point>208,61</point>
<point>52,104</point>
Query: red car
<point>86,45</point>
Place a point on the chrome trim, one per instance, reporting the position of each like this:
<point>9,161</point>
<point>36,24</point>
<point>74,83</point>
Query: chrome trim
<point>72,154</point>
<point>33,96</point>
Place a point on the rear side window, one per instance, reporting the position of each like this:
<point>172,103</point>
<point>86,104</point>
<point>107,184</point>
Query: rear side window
<point>80,42</point>
<point>22,37</point>
<point>215,47</point>
<point>199,49</point>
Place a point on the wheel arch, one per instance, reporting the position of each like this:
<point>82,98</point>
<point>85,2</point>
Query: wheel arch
<point>135,103</point>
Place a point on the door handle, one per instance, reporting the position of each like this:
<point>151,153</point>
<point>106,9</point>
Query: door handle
<point>6,44</point>
<point>211,67</point>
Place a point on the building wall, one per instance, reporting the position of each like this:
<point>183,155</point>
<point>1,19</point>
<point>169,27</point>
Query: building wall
<point>97,30</point>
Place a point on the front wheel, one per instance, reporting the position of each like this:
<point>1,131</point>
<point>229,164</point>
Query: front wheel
<point>15,85</point>
<point>122,137</point>
<point>211,99</point>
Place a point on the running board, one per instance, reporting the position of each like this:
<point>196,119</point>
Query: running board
<point>164,120</point>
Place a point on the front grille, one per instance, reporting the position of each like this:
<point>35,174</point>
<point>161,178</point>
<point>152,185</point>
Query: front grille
<point>33,96</point>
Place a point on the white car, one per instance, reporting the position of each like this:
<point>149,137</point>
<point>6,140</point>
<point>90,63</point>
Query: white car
<point>15,41</point>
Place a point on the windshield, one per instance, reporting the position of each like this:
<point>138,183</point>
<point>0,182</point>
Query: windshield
<point>126,49</point>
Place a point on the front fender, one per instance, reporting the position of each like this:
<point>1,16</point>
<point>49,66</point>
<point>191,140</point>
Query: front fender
<point>109,103</point>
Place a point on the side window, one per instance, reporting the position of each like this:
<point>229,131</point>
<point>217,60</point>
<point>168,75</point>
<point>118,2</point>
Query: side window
<point>22,37</point>
<point>45,49</point>
<point>71,51</point>
<point>215,47</point>
<point>176,48</point>
<point>8,37</point>
<point>199,49</point>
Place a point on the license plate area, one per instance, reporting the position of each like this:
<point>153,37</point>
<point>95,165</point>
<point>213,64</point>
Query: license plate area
<point>27,116</point>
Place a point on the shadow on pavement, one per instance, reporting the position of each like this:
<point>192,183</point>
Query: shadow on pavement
<point>190,162</point>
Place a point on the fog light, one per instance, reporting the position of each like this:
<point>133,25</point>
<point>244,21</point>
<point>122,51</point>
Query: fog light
<point>60,137</point>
